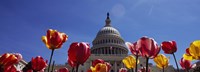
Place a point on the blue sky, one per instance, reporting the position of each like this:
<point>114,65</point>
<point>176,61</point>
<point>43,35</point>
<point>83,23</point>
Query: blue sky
<point>24,22</point>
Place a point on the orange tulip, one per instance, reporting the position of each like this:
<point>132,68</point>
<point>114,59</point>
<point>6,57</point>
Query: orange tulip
<point>9,59</point>
<point>95,62</point>
<point>100,67</point>
<point>54,39</point>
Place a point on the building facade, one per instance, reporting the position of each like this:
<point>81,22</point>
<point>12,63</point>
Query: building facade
<point>109,46</point>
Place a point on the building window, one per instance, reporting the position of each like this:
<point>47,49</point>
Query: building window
<point>117,64</point>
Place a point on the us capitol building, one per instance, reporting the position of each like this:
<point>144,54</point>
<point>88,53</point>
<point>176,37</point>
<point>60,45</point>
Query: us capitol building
<point>109,46</point>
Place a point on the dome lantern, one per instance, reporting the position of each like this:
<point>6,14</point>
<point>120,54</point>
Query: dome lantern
<point>108,21</point>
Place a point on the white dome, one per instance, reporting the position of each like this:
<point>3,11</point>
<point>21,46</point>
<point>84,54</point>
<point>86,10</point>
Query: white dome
<point>108,30</point>
<point>108,41</point>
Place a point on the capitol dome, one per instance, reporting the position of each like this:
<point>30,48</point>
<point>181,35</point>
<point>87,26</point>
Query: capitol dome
<point>108,41</point>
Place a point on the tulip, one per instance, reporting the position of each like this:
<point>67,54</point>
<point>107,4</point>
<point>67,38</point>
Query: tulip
<point>192,53</point>
<point>186,64</point>
<point>72,64</point>
<point>89,70</point>
<point>9,59</point>
<point>54,40</point>
<point>135,50</point>
<point>38,63</point>
<point>11,69</point>
<point>129,62</point>
<point>100,67</point>
<point>143,69</point>
<point>63,70</point>
<point>169,47</point>
<point>123,70</point>
<point>108,66</point>
<point>161,61</point>
<point>79,53</point>
<point>149,48</point>
<point>97,61</point>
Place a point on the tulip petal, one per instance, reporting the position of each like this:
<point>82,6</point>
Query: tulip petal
<point>195,49</point>
<point>188,57</point>
<point>161,61</point>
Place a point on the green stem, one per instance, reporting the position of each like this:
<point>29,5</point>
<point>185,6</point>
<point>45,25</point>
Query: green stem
<point>176,62</point>
<point>163,69</point>
<point>53,66</point>
<point>132,69</point>
<point>136,63</point>
<point>147,61</point>
<point>50,59</point>
<point>73,69</point>
<point>77,67</point>
<point>187,70</point>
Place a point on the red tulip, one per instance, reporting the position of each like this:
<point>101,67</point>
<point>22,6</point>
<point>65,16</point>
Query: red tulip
<point>63,70</point>
<point>97,61</point>
<point>38,63</point>
<point>79,52</point>
<point>71,63</point>
<point>54,39</point>
<point>89,70</point>
<point>9,59</point>
<point>169,47</point>
<point>123,70</point>
<point>185,64</point>
<point>10,69</point>
<point>149,47</point>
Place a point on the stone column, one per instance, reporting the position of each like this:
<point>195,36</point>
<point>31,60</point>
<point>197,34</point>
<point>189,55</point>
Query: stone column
<point>115,65</point>
<point>114,50</point>
<point>104,49</point>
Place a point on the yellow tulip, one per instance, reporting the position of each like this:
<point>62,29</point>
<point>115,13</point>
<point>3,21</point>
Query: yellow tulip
<point>93,69</point>
<point>161,61</point>
<point>192,53</point>
<point>129,61</point>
